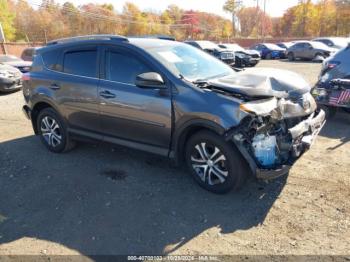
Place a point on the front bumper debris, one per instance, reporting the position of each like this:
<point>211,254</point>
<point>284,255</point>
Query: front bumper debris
<point>303,135</point>
<point>312,124</point>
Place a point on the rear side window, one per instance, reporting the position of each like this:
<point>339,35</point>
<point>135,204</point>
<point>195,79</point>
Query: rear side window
<point>124,68</point>
<point>51,59</point>
<point>82,63</point>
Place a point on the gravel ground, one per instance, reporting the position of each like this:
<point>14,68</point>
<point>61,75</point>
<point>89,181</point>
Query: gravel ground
<point>101,199</point>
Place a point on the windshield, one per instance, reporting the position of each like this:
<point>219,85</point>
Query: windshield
<point>190,62</point>
<point>8,58</point>
<point>234,47</point>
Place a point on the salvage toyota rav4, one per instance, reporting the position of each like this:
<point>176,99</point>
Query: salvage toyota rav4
<point>172,99</point>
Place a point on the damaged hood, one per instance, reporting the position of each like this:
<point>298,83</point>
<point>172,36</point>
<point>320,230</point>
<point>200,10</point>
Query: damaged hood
<point>263,82</point>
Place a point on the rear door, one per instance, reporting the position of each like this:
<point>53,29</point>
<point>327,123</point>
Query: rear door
<point>76,87</point>
<point>129,112</point>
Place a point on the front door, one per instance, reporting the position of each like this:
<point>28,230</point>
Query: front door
<point>129,112</point>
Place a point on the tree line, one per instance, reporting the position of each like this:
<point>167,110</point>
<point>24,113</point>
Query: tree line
<point>31,21</point>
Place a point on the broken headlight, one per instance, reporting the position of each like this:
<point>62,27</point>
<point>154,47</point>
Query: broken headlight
<point>259,107</point>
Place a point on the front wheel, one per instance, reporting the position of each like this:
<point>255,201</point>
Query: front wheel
<point>53,132</point>
<point>214,163</point>
<point>291,56</point>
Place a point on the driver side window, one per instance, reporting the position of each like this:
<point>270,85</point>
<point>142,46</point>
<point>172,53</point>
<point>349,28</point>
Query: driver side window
<point>123,68</point>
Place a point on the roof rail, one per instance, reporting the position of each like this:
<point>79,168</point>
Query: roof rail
<point>162,37</point>
<point>87,37</point>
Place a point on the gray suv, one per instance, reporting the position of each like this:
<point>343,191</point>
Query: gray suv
<point>172,99</point>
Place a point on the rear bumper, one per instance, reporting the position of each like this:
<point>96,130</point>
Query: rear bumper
<point>323,95</point>
<point>303,135</point>
<point>254,61</point>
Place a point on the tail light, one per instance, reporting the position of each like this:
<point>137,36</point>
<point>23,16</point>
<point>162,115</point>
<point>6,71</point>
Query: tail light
<point>329,66</point>
<point>332,64</point>
<point>26,77</point>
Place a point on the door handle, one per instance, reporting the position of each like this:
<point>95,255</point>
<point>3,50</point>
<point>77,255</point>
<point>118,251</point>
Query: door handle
<point>107,94</point>
<point>55,86</point>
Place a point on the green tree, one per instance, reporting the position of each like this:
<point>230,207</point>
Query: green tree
<point>7,20</point>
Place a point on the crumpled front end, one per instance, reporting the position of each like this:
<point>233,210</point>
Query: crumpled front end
<point>276,133</point>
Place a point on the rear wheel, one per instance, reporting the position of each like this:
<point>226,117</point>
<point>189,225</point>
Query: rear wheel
<point>214,163</point>
<point>53,132</point>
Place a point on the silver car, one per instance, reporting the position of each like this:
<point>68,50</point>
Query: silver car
<point>309,50</point>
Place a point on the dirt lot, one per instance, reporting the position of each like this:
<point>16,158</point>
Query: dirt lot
<point>100,199</point>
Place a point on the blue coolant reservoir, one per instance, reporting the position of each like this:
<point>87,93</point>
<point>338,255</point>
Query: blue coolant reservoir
<point>265,149</point>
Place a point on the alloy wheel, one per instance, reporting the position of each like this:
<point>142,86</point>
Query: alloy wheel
<point>209,163</point>
<point>50,130</point>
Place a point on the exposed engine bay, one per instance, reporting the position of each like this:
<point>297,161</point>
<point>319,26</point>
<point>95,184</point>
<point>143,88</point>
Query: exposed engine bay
<point>281,122</point>
<point>274,143</point>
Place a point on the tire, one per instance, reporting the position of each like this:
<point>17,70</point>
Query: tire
<point>268,56</point>
<point>330,111</point>
<point>205,162</point>
<point>53,131</point>
<point>291,56</point>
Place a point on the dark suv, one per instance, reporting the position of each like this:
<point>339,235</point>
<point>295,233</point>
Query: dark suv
<point>171,99</point>
<point>227,56</point>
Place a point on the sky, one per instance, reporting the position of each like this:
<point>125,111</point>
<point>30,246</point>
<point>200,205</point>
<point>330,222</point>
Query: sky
<point>274,8</point>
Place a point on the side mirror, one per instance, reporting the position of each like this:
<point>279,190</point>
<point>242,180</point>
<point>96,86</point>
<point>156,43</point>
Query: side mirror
<point>150,80</point>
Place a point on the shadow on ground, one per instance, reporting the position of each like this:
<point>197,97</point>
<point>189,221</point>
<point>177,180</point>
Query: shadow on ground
<point>103,200</point>
<point>338,128</point>
<point>301,61</point>
<point>8,92</point>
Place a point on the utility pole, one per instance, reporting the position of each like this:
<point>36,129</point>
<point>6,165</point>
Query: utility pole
<point>257,19</point>
<point>2,40</point>
<point>262,22</point>
<point>45,36</point>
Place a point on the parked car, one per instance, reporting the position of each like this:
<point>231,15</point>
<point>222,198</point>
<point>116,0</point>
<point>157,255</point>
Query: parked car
<point>243,57</point>
<point>332,90</point>
<point>171,99</point>
<point>28,53</point>
<point>333,42</point>
<point>309,50</point>
<point>10,78</point>
<point>269,51</point>
<point>23,66</point>
<point>224,55</point>
<point>285,45</point>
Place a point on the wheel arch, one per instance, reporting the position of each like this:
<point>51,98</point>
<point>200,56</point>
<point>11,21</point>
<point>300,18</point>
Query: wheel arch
<point>187,130</point>
<point>37,108</point>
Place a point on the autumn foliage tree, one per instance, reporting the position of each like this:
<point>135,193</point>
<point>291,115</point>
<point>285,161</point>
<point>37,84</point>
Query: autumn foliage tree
<point>40,22</point>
